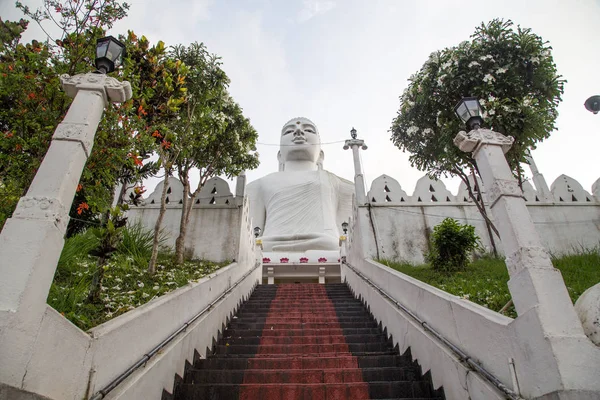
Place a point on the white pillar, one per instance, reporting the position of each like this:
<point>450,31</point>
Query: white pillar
<point>270,276</point>
<point>322,275</point>
<point>359,180</point>
<point>240,187</point>
<point>548,333</point>
<point>538,179</point>
<point>33,238</point>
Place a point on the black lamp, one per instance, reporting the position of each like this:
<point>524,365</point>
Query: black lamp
<point>593,104</point>
<point>469,111</point>
<point>353,133</point>
<point>109,54</point>
<point>345,227</point>
<point>257,231</point>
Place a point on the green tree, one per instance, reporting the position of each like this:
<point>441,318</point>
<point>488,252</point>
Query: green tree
<point>510,69</point>
<point>32,102</point>
<point>212,133</point>
<point>451,246</point>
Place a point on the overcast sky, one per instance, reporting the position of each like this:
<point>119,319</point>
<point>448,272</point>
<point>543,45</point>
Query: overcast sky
<point>345,63</point>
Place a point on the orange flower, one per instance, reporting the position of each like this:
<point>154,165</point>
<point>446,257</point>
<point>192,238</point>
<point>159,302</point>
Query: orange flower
<point>8,135</point>
<point>156,134</point>
<point>18,147</point>
<point>165,145</point>
<point>31,96</point>
<point>141,111</point>
<point>81,207</point>
<point>79,187</point>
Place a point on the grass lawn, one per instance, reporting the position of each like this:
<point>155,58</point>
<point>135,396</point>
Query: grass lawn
<point>485,281</point>
<point>126,283</point>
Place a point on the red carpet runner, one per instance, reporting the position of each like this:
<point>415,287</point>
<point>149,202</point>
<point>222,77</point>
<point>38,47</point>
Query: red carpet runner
<point>303,342</point>
<point>302,352</point>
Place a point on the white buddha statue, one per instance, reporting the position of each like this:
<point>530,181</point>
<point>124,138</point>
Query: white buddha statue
<point>301,207</point>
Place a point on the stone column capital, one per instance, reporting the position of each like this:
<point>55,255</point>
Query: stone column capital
<point>355,142</point>
<point>472,141</point>
<point>111,89</point>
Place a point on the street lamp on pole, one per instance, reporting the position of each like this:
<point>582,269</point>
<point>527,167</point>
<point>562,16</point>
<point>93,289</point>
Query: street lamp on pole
<point>32,239</point>
<point>469,111</point>
<point>109,54</point>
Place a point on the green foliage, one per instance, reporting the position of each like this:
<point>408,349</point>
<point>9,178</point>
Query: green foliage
<point>482,282</point>
<point>137,244</point>
<point>451,246</point>
<point>511,71</point>
<point>125,284</point>
<point>32,103</point>
<point>212,134</point>
<point>108,236</point>
<point>485,280</point>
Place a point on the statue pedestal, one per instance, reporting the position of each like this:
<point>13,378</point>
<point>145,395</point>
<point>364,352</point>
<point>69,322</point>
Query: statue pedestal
<point>309,266</point>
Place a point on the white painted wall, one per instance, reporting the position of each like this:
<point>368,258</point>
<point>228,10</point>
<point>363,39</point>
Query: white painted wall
<point>403,229</point>
<point>68,363</point>
<point>402,223</point>
<point>65,358</point>
<point>213,230</point>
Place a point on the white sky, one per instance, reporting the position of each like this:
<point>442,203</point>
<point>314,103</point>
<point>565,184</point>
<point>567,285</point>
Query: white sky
<point>344,63</point>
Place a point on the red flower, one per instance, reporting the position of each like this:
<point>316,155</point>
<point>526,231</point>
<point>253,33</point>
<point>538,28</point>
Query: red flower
<point>81,207</point>
<point>322,260</point>
<point>165,145</point>
<point>284,260</point>
<point>266,260</point>
<point>303,260</point>
<point>18,147</point>
<point>135,159</point>
<point>79,187</point>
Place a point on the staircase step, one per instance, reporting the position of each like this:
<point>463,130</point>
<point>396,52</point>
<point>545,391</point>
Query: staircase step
<point>305,362</point>
<point>301,375</point>
<point>290,391</point>
<point>304,341</point>
<point>303,348</point>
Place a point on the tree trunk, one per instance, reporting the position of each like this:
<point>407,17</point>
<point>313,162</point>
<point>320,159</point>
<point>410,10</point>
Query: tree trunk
<point>183,222</point>
<point>481,208</point>
<point>161,214</point>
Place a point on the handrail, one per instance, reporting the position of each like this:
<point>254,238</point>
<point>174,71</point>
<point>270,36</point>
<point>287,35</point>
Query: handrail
<point>114,383</point>
<point>463,357</point>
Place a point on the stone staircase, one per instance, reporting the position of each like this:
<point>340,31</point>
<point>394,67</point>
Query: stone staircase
<point>304,341</point>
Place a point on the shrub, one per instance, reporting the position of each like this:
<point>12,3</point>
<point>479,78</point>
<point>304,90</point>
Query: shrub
<point>451,246</point>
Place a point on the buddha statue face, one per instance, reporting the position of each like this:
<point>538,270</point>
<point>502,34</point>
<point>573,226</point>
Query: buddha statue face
<point>300,141</point>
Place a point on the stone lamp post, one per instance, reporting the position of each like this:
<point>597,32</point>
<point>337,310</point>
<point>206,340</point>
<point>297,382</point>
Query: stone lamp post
<point>552,342</point>
<point>359,180</point>
<point>32,239</point>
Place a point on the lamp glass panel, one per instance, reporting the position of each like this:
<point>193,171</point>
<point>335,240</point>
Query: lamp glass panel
<point>474,108</point>
<point>463,112</point>
<point>114,52</point>
<point>101,48</point>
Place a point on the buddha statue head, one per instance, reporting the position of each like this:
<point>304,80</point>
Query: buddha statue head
<point>300,144</point>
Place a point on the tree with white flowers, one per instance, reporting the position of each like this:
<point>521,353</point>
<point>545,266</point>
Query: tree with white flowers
<point>512,72</point>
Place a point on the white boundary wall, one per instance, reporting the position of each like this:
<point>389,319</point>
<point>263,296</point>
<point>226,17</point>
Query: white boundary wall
<point>403,231</point>
<point>475,329</point>
<point>68,363</point>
